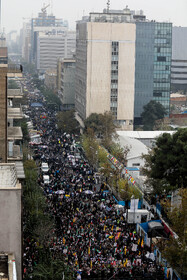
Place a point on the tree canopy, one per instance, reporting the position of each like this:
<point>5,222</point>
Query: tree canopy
<point>166,164</point>
<point>103,127</point>
<point>151,112</point>
<point>174,249</point>
<point>67,122</point>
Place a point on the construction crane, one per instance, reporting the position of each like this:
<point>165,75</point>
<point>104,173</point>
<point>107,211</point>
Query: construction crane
<point>44,8</point>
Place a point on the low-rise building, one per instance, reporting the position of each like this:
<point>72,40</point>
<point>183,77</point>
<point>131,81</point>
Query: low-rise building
<point>11,214</point>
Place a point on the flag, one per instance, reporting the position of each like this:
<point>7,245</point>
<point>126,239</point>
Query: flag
<point>125,263</point>
<point>142,243</point>
<point>117,236</point>
<point>111,236</point>
<point>125,250</point>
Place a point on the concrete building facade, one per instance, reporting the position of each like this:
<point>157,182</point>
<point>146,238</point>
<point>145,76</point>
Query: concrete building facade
<point>11,213</point>
<point>123,61</point>
<point>26,42</point>
<point>67,84</point>
<point>44,23</point>
<point>51,79</point>
<point>51,46</point>
<point>105,70</point>
<point>3,100</point>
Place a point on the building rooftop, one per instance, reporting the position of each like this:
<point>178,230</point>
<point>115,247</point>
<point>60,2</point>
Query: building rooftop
<point>143,134</point>
<point>177,95</point>
<point>137,148</point>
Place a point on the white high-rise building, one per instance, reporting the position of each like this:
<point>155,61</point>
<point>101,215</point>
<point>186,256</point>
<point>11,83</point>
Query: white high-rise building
<point>26,41</point>
<point>51,46</point>
<point>105,69</point>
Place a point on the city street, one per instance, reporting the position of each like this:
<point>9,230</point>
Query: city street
<point>90,230</point>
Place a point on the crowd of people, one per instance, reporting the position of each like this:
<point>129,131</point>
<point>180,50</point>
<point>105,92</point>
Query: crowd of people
<point>91,231</point>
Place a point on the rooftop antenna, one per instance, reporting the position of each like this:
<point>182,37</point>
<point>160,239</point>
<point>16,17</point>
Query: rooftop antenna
<point>108,6</point>
<point>51,4</point>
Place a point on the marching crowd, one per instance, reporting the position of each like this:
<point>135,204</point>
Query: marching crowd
<point>91,231</point>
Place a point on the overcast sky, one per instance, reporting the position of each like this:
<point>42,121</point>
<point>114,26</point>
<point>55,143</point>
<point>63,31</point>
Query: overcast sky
<point>13,11</point>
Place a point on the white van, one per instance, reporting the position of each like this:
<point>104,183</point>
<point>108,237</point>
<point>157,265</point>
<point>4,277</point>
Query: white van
<point>46,179</point>
<point>44,167</point>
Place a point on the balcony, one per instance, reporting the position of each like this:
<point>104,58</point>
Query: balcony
<point>15,113</point>
<point>15,71</point>
<point>15,93</point>
<point>14,153</point>
<point>14,133</point>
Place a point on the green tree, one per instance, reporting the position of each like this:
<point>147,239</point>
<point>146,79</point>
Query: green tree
<point>67,122</point>
<point>151,112</point>
<point>103,127</point>
<point>127,191</point>
<point>166,164</point>
<point>91,147</point>
<point>52,269</point>
<point>119,152</point>
<point>94,122</point>
<point>175,249</point>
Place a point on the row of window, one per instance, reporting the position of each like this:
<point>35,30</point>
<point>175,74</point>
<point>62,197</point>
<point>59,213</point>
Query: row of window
<point>114,78</point>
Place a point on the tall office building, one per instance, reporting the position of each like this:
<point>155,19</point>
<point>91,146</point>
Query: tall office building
<point>179,58</point>
<point>51,46</point>
<point>44,23</point>
<point>105,68</point>
<point>153,65</point>
<point>26,42</point>
<point>122,62</point>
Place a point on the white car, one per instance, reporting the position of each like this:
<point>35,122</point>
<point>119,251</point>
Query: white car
<point>44,167</point>
<point>46,179</point>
